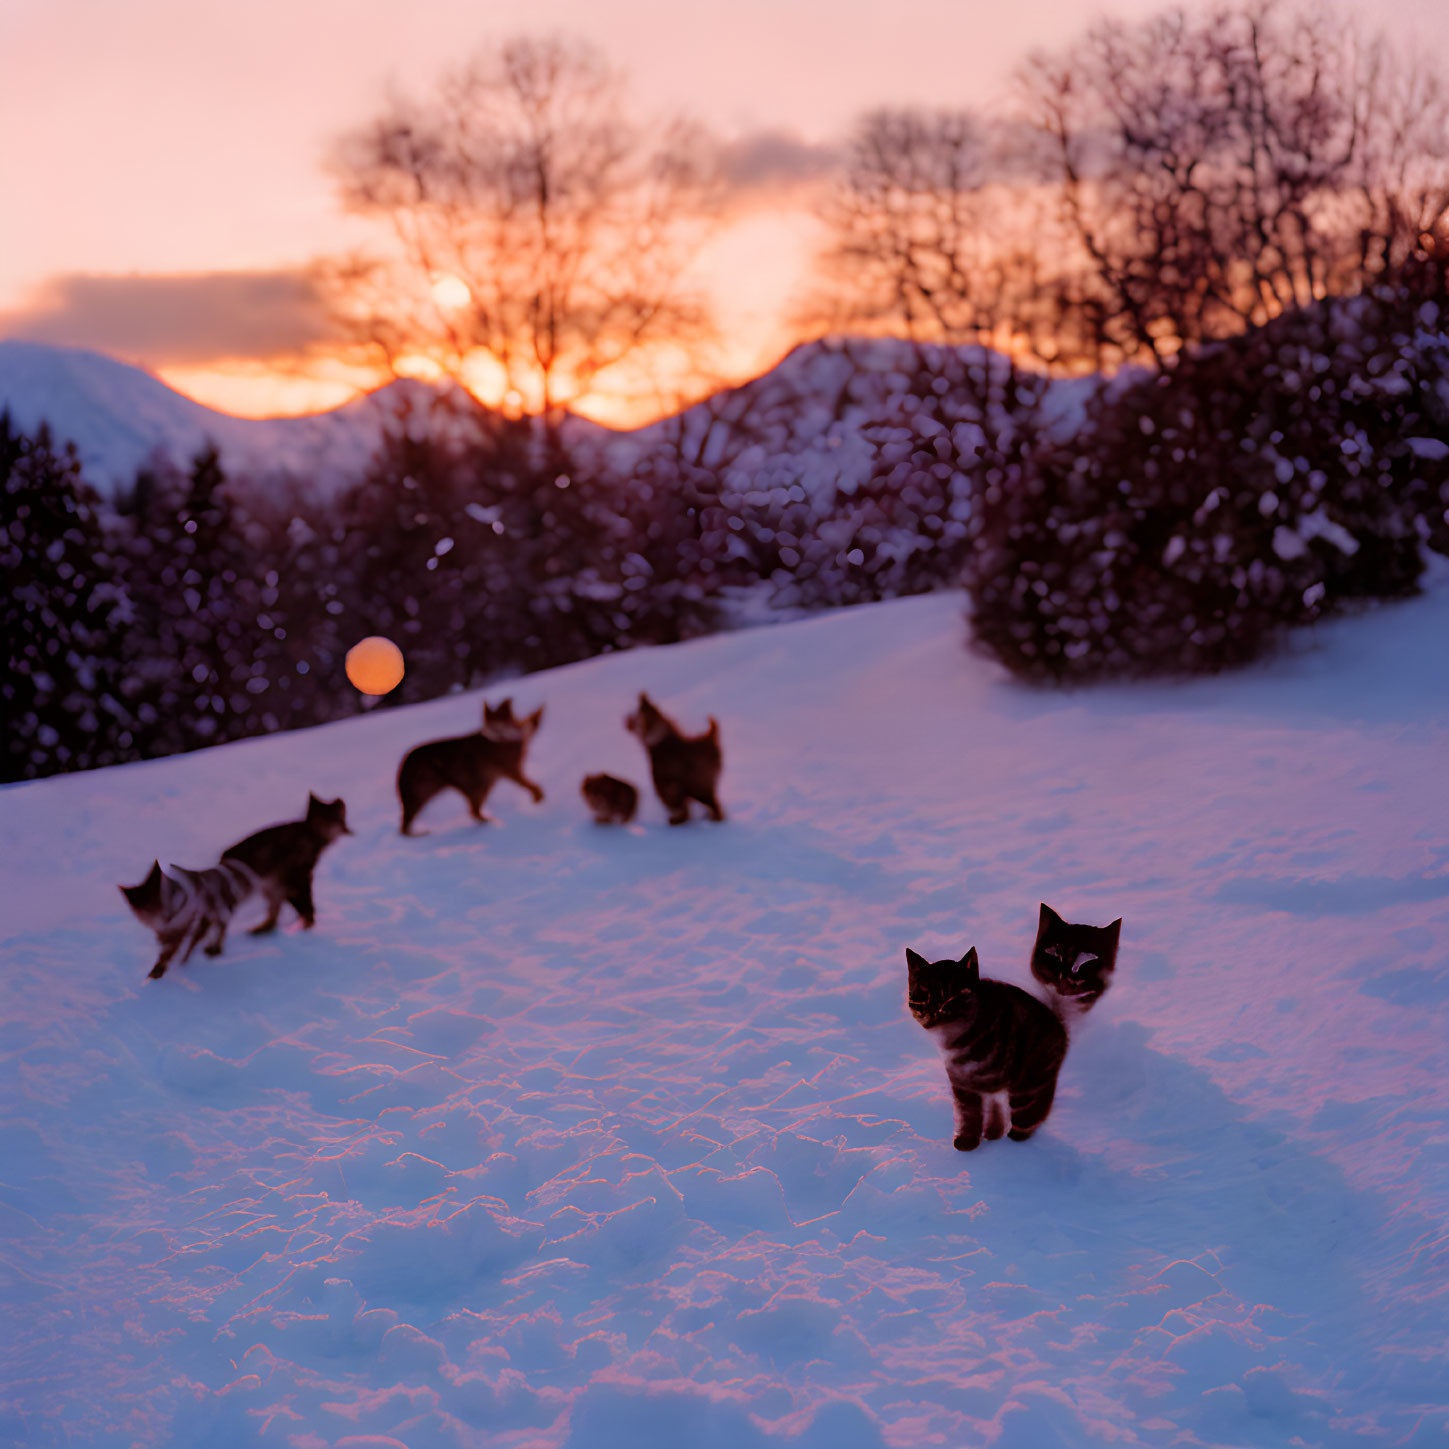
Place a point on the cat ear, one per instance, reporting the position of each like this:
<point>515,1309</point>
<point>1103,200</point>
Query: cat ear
<point>312,800</point>
<point>970,965</point>
<point>537,717</point>
<point>916,963</point>
<point>1048,918</point>
<point>1113,931</point>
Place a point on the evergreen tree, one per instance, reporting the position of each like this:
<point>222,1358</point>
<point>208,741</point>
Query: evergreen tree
<point>62,614</point>
<point>194,583</point>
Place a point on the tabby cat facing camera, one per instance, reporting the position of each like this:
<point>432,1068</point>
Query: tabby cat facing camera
<point>1002,1047</point>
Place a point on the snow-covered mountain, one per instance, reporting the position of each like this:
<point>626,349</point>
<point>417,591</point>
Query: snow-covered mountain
<point>118,416</point>
<point>810,408</point>
<point>552,1135</point>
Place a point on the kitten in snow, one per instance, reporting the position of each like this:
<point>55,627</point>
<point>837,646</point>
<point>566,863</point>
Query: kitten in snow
<point>613,801</point>
<point>1074,963</point>
<point>283,857</point>
<point>1003,1048</point>
<point>188,906</point>
<point>684,767</point>
<point>470,764</point>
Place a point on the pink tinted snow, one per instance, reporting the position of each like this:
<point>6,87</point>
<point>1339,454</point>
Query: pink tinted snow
<point>558,1135</point>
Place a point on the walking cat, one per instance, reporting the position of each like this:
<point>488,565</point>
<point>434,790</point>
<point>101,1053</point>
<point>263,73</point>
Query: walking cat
<point>684,767</point>
<point>1074,963</point>
<point>186,907</point>
<point>470,764</point>
<point>283,857</point>
<point>998,1040</point>
<point>612,800</point>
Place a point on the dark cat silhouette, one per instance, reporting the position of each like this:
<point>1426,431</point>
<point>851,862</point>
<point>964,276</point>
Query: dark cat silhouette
<point>612,800</point>
<point>187,906</point>
<point>471,764</point>
<point>283,857</point>
<point>683,767</point>
<point>997,1039</point>
<point>1074,963</point>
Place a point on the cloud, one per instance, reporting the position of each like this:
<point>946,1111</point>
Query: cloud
<point>765,160</point>
<point>176,319</point>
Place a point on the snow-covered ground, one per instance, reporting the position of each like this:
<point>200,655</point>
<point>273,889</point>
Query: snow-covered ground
<point>552,1135</point>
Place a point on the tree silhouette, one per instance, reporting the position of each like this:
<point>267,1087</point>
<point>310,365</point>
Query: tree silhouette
<point>1219,167</point>
<point>539,237</point>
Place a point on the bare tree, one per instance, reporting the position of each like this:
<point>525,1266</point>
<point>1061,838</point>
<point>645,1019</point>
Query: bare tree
<point>943,230</point>
<point>906,217</point>
<point>1219,167</point>
<point>538,235</point>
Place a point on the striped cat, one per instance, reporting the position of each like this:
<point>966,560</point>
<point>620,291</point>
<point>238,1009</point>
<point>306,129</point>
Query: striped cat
<point>186,907</point>
<point>999,1042</point>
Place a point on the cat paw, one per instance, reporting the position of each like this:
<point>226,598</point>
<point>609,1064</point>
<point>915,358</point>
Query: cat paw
<point>1017,1135</point>
<point>966,1144</point>
<point>155,973</point>
<point>211,950</point>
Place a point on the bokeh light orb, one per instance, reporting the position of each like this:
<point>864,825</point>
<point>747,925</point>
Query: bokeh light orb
<point>375,665</point>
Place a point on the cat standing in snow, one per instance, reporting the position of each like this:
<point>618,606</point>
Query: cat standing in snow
<point>684,767</point>
<point>1074,963</point>
<point>283,857</point>
<point>999,1042</point>
<point>186,907</point>
<point>470,764</point>
<point>612,800</point>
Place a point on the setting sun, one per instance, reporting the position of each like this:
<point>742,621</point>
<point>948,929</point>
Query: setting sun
<point>451,293</point>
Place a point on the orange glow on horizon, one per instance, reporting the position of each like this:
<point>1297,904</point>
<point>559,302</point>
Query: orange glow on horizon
<point>295,388</point>
<point>753,269</point>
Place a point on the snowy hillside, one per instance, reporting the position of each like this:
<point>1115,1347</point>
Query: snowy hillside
<point>807,421</point>
<point>118,416</point>
<point>552,1135</point>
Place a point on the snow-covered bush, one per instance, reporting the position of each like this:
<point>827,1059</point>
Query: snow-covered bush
<point>956,421</point>
<point>845,475</point>
<point>1261,482</point>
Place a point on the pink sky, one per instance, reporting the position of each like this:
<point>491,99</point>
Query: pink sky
<point>186,136</point>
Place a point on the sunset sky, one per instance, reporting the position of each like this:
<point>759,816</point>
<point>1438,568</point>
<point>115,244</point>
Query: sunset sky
<point>161,161</point>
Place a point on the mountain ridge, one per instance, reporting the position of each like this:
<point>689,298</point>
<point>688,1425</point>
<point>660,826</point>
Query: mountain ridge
<point>120,417</point>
